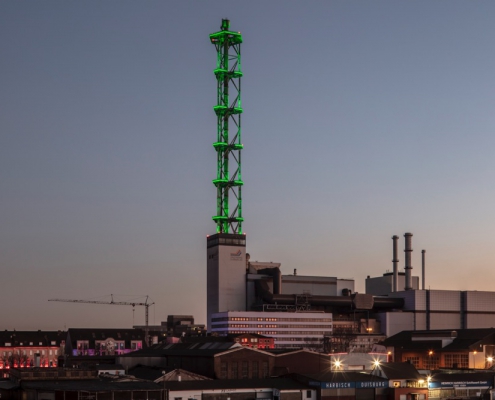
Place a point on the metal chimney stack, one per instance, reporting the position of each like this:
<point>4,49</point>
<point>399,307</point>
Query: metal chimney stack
<point>408,266</point>
<point>423,267</point>
<point>395,263</point>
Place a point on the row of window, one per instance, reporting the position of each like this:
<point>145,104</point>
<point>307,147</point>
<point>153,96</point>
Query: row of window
<point>456,360</point>
<point>215,241</point>
<point>451,393</point>
<point>271,326</point>
<point>433,362</point>
<point>52,343</point>
<point>25,352</point>
<point>244,370</point>
<point>102,345</point>
<point>298,333</point>
<point>260,319</point>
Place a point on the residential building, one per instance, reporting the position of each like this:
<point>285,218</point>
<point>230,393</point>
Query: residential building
<point>103,342</point>
<point>30,348</point>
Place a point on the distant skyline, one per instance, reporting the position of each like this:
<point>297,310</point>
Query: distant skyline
<point>362,120</point>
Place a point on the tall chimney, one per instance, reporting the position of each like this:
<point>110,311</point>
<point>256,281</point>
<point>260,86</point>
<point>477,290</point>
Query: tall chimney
<point>423,267</point>
<point>408,266</point>
<point>395,262</point>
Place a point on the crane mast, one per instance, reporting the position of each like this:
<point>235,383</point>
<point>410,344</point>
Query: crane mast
<point>146,306</point>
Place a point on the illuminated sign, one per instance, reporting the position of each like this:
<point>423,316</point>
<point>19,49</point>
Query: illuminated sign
<point>451,384</point>
<point>351,385</point>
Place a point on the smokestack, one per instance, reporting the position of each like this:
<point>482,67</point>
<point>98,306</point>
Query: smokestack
<point>408,266</point>
<point>423,267</point>
<point>395,263</point>
<point>277,281</point>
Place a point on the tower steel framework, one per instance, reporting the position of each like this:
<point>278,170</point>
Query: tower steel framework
<point>228,110</point>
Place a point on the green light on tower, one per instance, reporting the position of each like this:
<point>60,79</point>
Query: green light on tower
<point>228,145</point>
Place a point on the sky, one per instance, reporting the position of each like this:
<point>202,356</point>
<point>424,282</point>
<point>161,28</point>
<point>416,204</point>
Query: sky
<point>362,120</point>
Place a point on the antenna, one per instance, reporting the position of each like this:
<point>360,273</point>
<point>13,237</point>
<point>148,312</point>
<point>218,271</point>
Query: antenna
<point>228,110</point>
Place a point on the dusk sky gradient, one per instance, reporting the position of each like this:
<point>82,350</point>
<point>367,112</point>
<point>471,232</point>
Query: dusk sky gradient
<point>362,120</point>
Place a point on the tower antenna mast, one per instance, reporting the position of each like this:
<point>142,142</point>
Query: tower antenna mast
<point>228,110</point>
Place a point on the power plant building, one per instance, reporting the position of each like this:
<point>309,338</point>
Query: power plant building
<point>383,285</point>
<point>440,309</point>
<point>254,297</point>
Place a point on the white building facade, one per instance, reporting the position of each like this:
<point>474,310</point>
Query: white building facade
<point>289,329</point>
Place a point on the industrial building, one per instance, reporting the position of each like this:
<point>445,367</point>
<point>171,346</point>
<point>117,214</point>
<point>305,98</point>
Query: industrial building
<point>289,329</point>
<point>245,296</point>
<point>433,349</point>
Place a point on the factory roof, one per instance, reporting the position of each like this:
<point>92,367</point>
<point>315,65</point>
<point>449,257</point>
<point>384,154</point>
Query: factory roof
<point>399,370</point>
<point>442,340</point>
<point>92,385</point>
<point>343,376</point>
<point>160,374</point>
<point>277,383</point>
<point>191,349</point>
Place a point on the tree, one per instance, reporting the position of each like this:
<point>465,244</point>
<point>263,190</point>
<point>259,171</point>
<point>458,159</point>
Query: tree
<point>340,340</point>
<point>313,344</point>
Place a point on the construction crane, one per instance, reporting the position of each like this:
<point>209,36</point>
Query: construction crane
<point>146,306</point>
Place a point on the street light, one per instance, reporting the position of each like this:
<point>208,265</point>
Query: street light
<point>376,365</point>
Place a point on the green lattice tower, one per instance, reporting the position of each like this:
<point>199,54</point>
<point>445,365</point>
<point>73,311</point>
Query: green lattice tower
<point>228,110</point>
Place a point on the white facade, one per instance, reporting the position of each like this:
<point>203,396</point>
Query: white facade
<point>226,274</point>
<point>356,361</point>
<point>315,285</point>
<point>289,329</point>
<point>383,285</point>
<point>440,309</point>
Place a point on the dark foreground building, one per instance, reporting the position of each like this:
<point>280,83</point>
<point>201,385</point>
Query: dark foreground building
<point>64,384</point>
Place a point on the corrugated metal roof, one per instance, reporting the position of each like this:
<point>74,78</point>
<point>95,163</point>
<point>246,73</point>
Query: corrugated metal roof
<point>95,385</point>
<point>239,384</point>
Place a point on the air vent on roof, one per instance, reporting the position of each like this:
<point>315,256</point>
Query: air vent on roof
<point>453,334</point>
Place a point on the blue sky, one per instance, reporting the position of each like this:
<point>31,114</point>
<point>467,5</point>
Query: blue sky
<point>361,120</point>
